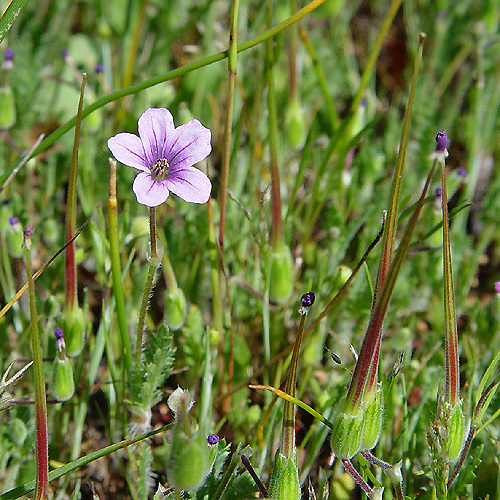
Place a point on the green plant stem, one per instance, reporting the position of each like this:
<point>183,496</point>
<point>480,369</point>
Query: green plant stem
<point>232,68</point>
<point>42,446</point>
<point>287,445</point>
<point>153,266</point>
<point>369,349</point>
<point>170,75</point>
<point>278,237</point>
<point>318,196</point>
<point>452,369</point>
<point>320,76</point>
<point>132,52</point>
<point>70,269</point>
<point>116,267</point>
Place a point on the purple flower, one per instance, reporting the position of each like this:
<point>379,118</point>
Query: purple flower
<point>99,68</point>
<point>58,333</point>
<point>165,156</point>
<point>213,439</point>
<point>439,192</point>
<point>8,55</point>
<point>461,171</point>
<point>13,220</point>
<point>497,287</point>
<point>442,141</point>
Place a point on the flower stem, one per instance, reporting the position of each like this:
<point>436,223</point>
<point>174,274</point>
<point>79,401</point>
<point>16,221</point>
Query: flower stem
<point>116,268</point>
<point>42,448</point>
<point>153,266</point>
<point>278,237</point>
<point>70,273</point>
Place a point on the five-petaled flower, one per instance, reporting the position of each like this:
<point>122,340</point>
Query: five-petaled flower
<point>165,156</point>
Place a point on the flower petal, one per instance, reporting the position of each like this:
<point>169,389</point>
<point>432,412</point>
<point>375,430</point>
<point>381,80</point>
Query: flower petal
<point>127,149</point>
<point>187,145</point>
<point>148,191</point>
<point>155,125</point>
<point>190,184</point>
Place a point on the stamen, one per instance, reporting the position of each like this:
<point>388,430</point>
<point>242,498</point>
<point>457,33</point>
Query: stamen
<point>159,171</point>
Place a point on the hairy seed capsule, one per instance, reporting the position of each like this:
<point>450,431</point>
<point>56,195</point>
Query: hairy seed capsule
<point>285,483</point>
<point>62,379</point>
<point>373,422</point>
<point>347,432</point>
<point>188,464</point>
<point>455,428</point>
<point>281,275</point>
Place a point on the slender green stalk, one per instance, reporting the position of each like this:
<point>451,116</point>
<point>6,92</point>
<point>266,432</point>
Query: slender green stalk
<point>320,76</point>
<point>318,195</point>
<point>42,445</point>
<point>153,266</point>
<point>132,52</point>
<point>70,269</point>
<point>226,157</point>
<point>232,67</point>
<point>116,267</point>
<point>278,237</point>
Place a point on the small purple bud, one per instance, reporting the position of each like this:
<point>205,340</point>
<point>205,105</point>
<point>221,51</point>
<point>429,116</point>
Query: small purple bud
<point>8,59</point>
<point>362,103</point>
<point>65,54</point>
<point>497,287</point>
<point>99,68</point>
<point>442,141</point>
<point>461,171</point>
<point>307,299</point>
<point>439,192</point>
<point>213,439</point>
<point>13,220</point>
<point>58,333</point>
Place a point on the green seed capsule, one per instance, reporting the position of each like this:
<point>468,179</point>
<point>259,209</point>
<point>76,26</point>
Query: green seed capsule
<point>372,423</point>
<point>347,432</point>
<point>188,463</point>
<point>15,238</point>
<point>285,483</point>
<point>74,331</point>
<point>62,379</point>
<point>175,308</point>
<point>281,275</point>
<point>7,108</point>
<point>455,427</point>
<point>295,124</point>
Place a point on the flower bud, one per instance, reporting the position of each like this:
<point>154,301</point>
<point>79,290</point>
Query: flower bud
<point>281,275</point>
<point>17,431</point>
<point>7,108</point>
<point>63,385</point>
<point>347,432</point>
<point>455,428</point>
<point>188,462</point>
<point>295,124</point>
<point>175,308</point>
<point>285,483</point>
<point>74,331</point>
<point>139,227</point>
<point>373,422</point>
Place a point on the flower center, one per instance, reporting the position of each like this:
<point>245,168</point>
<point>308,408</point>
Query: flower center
<point>159,171</point>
